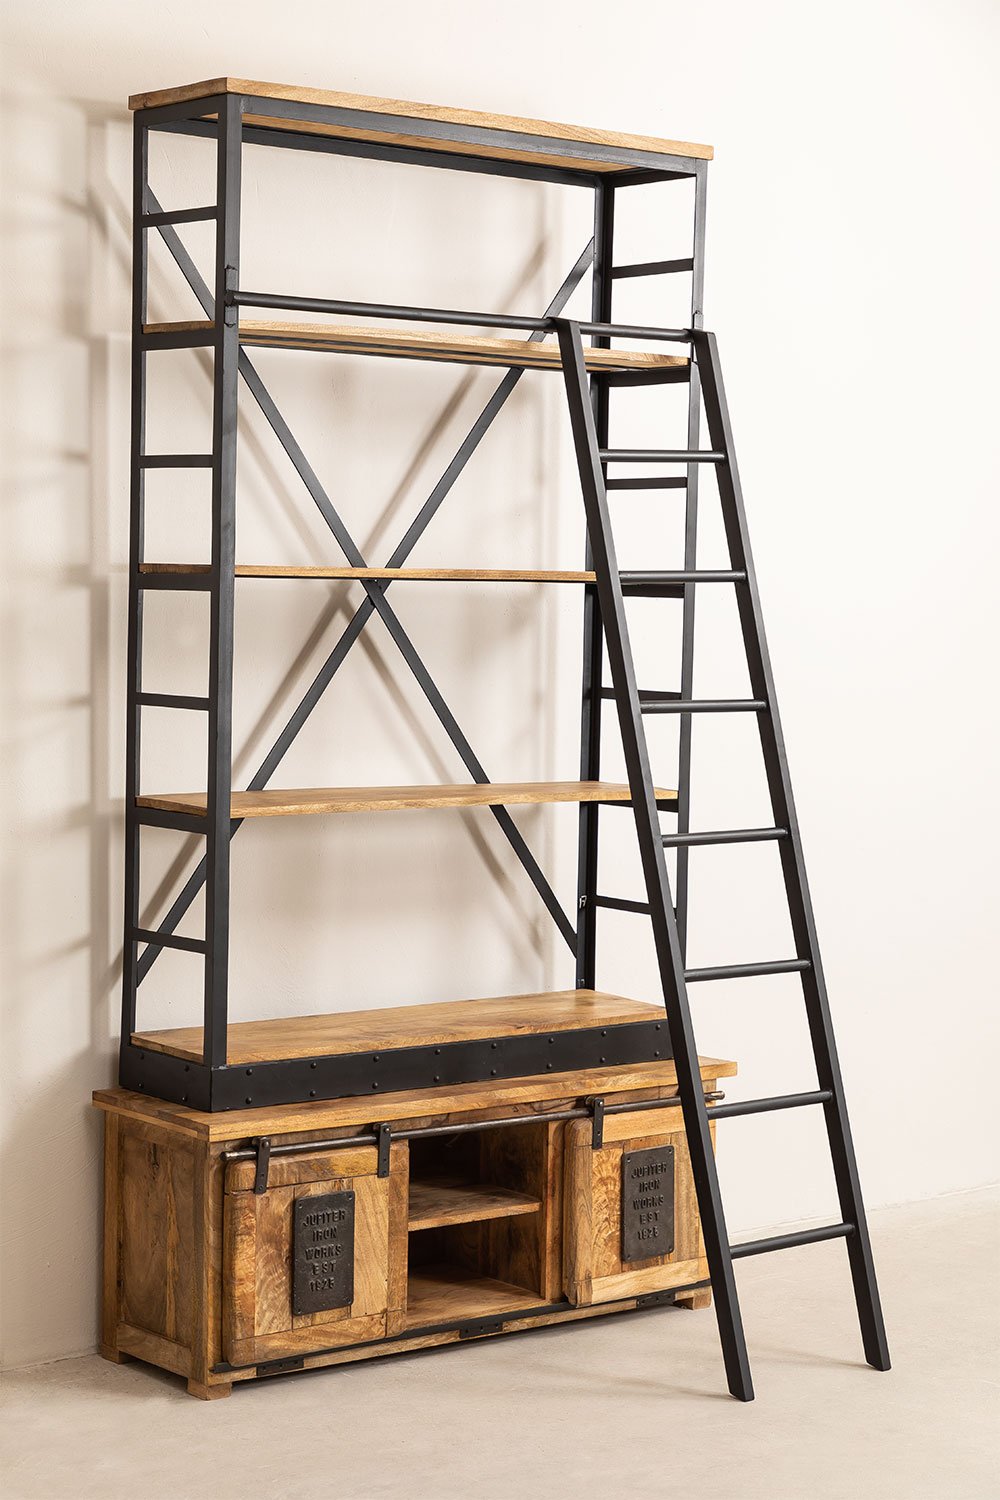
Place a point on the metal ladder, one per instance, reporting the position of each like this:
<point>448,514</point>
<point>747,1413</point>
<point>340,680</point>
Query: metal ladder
<point>613,586</point>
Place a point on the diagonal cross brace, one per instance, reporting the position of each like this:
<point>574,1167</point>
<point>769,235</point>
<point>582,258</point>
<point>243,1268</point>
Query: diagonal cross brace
<point>376,595</point>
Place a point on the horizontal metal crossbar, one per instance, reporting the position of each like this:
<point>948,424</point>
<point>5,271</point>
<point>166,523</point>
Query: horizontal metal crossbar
<point>171,700</point>
<point>407,312</point>
<point>769,1106</point>
<point>155,817</point>
<point>747,971</point>
<point>789,1241</point>
<point>669,705</point>
<point>645,695</point>
<point>169,940</point>
<point>660,455</point>
<point>724,836</point>
<point>179,216</point>
<point>619,903</point>
<point>176,461</point>
<point>174,338</point>
<point>651,268</point>
<point>182,582</point>
<point>651,482</point>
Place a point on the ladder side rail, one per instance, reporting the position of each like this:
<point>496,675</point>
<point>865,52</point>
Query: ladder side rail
<point>220,691</point>
<point>792,861</point>
<point>654,864</point>
<point>593,634</point>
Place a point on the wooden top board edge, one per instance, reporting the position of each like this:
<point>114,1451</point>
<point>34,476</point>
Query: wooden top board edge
<point>373,104</point>
<point>332,1114</point>
<point>302,801</point>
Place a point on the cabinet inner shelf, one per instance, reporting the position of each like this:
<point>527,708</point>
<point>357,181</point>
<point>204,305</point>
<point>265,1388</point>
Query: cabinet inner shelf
<point>435,1202</point>
<point>403,575</point>
<point>463,349</point>
<point>430,1025</point>
<point>300,801</point>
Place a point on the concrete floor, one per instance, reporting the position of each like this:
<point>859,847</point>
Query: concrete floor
<point>621,1409</point>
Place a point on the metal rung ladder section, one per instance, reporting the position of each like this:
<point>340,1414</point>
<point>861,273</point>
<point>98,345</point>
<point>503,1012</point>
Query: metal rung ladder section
<point>612,586</point>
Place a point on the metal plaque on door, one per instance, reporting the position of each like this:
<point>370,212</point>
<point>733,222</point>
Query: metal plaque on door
<point>647,1203</point>
<point>323,1253</point>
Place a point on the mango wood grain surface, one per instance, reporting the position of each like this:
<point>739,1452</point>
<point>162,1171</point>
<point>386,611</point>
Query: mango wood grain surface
<point>402,575</point>
<point>435,1024</point>
<point>279,802</point>
<point>415,1106</point>
<point>421,343</point>
<point>411,110</point>
<point>440,1294</point>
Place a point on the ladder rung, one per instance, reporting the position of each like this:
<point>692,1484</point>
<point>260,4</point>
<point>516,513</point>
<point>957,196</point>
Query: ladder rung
<point>195,580</point>
<point>788,1241</point>
<point>724,836</point>
<point>766,1106</point>
<point>664,704</point>
<point>672,583</point>
<point>651,268</point>
<point>650,483</point>
<point>661,456</point>
<point>618,903</point>
<point>176,461</point>
<point>169,940</point>
<point>747,971</point>
<point>171,700</point>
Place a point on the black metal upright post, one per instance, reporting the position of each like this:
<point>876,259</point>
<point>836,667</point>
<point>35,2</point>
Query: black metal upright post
<point>140,174</point>
<point>793,864</point>
<point>593,640</point>
<point>681,885</point>
<point>220,692</point>
<point>671,964</point>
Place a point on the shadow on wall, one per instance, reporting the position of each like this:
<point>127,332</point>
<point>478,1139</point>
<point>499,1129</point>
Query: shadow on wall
<point>66,527</point>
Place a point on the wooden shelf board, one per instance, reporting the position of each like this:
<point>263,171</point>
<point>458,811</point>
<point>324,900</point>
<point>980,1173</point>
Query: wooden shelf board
<point>407,1026</point>
<point>420,343</point>
<point>404,575</point>
<point>304,801</point>
<point>445,1294</point>
<point>445,1200</point>
<point>414,113</point>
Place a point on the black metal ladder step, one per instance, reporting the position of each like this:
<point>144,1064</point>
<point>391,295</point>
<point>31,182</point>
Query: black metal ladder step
<point>672,582</point>
<point>667,703</point>
<point>661,456</point>
<point>652,268</point>
<point>747,971</point>
<point>789,1241</point>
<point>722,836</point>
<point>646,695</point>
<point>769,1106</point>
<point>176,461</point>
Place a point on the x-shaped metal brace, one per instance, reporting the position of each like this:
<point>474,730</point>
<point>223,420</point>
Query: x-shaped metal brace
<point>376,601</point>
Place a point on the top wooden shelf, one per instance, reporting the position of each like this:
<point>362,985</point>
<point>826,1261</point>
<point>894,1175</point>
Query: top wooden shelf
<point>401,122</point>
<point>422,343</point>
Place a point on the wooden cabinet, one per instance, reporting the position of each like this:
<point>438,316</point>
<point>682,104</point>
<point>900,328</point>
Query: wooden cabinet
<point>492,1213</point>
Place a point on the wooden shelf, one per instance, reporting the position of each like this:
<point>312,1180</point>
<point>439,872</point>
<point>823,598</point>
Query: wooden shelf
<point>406,343</point>
<point>445,1294</point>
<point>409,131</point>
<point>304,801</point>
<point>402,575</point>
<point>407,1026</point>
<point>439,1201</point>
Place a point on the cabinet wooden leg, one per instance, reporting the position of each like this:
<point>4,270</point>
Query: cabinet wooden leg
<point>115,1356</point>
<point>210,1392</point>
<point>695,1300</point>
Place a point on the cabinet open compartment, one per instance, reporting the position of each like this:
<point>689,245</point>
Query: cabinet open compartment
<point>484,1223</point>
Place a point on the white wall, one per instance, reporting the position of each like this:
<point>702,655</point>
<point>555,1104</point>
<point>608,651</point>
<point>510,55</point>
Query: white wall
<point>852,279</point>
